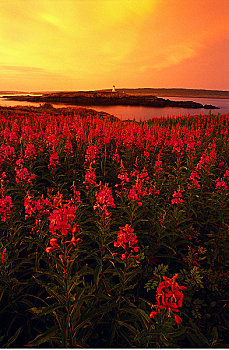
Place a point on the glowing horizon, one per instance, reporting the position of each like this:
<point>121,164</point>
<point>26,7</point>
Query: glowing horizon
<point>93,44</point>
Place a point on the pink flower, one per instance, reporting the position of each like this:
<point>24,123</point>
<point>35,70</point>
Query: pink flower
<point>22,173</point>
<point>90,178</point>
<point>104,199</point>
<point>91,154</point>
<point>221,165</point>
<point>177,145</point>
<point>177,319</point>
<point>226,175</point>
<point>61,218</point>
<point>75,241</point>
<point>153,314</point>
<point>49,249</point>
<point>68,148</point>
<point>7,152</point>
<point>127,240</point>
<point>3,255</point>
<point>36,207</point>
<point>169,297</point>
<point>158,165</point>
<point>146,154</point>
<point>54,160</point>
<point>6,206</point>
<point>52,141</point>
<point>30,151</point>
<point>53,245</point>
<point>115,157</point>
<point>177,197</point>
<point>220,185</point>
<point>194,178</point>
<point>123,177</point>
<point>138,190</point>
<point>53,242</point>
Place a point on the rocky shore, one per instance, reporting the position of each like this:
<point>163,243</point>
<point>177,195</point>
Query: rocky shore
<point>93,98</point>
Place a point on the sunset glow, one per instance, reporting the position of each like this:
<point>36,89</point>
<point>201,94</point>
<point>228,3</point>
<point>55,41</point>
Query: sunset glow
<point>93,44</point>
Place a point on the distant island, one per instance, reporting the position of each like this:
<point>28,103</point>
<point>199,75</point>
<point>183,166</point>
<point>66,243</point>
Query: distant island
<point>108,98</point>
<point>176,92</point>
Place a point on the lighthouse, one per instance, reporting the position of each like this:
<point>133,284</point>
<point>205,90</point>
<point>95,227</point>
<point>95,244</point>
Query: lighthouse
<point>113,90</point>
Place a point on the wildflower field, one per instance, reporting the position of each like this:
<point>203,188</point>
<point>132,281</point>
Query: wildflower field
<point>113,233</point>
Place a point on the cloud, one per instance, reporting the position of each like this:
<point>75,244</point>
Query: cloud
<point>88,43</point>
<point>21,69</point>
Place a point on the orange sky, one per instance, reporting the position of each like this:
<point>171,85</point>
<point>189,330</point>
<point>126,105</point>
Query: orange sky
<point>93,44</point>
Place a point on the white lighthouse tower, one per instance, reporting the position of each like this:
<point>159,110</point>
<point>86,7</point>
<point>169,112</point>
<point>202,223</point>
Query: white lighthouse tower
<point>113,90</point>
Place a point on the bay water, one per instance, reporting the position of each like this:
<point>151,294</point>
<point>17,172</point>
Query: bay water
<point>143,113</point>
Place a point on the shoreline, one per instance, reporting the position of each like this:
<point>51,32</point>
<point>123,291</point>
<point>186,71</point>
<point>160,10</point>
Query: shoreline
<point>108,99</point>
<point>48,108</point>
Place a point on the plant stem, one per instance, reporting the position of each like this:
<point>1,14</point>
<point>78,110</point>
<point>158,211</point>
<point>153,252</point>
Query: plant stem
<point>101,249</point>
<point>122,289</point>
<point>67,296</point>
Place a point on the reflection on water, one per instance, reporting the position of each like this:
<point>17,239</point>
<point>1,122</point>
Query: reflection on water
<point>142,113</point>
<point>145,113</point>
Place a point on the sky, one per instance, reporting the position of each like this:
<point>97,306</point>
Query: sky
<point>95,44</point>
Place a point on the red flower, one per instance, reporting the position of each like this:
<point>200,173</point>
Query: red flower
<point>5,208</point>
<point>54,160</point>
<point>60,219</point>
<point>169,298</point>
<point>177,319</point>
<point>127,240</point>
<point>104,199</point>
<point>49,249</point>
<point>91,154</point>
<point>177,198</point>
<point>53,242</point>
<point>3,255</point>
<point>90,177</point>
<point>22,173</point>
<point>153,314</point>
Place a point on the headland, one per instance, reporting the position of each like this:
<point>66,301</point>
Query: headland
<point>107,98</point>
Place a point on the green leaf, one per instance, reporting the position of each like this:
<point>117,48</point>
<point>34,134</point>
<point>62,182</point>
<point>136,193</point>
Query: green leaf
<point>160,270</point>
<point>12,339</point>
<point>51,292</point>
<point>128,326</point>
<point>215,335</point>
<point>45,310</point>
<point>2,293</point>
<point>1,338</point>
<point>44,337</point>
<point>202,340</point>
<point>137,313</point>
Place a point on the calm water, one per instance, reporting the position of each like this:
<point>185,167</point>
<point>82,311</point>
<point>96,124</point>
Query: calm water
<point>143,113</point>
